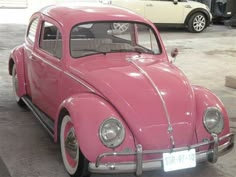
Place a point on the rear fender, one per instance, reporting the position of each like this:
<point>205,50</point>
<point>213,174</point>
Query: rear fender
<point>205,99</point>
<point>87,112</point>
<point>17,58</point>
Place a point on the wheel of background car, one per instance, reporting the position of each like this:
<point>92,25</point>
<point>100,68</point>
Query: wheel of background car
<point>15,87</point>
<point>197,23</point>
<point>121,27</point>
<point>74,161</point>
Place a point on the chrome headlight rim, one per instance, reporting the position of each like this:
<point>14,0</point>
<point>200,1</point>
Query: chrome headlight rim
<point>118,141</point>
<point>221,119</point>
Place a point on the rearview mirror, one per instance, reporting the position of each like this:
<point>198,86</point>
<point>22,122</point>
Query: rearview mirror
<point>174,53</point>
<point>175,1</point>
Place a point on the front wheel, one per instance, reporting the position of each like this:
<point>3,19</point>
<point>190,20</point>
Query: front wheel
<point>197,23</point>
<point>15,83</point>
<point>74,161</point>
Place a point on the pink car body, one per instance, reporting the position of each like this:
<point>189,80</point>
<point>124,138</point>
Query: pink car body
<point>160,111</point>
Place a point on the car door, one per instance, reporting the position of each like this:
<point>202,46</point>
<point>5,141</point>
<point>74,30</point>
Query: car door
<point>165,11</point>
<point>46,67</point>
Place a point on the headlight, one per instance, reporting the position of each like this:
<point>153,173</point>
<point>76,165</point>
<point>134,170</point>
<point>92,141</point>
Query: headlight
<point>112,132</point>
<point>213,120</point>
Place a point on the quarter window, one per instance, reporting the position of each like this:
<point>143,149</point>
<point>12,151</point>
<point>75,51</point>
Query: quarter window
<point>147,39</point>
<point>32,29</point>
<point>51,40</point>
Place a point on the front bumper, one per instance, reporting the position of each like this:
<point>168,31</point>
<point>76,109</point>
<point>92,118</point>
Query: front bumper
<point>139,166</point>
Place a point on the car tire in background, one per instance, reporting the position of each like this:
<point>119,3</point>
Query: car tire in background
<point>19,101</point>
<point>197,22</point>
<point>74,161</point>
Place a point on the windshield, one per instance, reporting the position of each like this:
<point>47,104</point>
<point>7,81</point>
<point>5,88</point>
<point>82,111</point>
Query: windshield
<point>107,37</point>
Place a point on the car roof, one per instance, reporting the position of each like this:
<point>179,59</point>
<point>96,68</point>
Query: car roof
<point>71,14</point>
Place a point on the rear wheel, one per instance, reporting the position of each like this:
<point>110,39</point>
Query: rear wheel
<point>197,23</point>
<point>15,83</point>
<point>74,161</point>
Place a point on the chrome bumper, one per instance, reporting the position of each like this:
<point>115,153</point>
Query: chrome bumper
<point>139,166</point>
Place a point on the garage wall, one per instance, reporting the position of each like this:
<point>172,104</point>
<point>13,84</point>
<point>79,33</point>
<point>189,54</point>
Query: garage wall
<point>19,11</point>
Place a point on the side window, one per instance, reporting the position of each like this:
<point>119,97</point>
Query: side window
<point>32,29</point>
<point>150,42</point>
<point>51,40</point>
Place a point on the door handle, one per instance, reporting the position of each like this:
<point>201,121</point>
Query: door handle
<point>31,58</point>
<point>188,6</point>
<point>149,5</point>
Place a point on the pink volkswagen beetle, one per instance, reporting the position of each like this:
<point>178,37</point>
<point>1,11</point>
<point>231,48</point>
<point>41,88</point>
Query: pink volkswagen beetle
<point>99,80</point>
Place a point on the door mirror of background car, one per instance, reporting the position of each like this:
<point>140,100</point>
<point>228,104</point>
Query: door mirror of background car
<point>175,1</point>
<point>174,53</point>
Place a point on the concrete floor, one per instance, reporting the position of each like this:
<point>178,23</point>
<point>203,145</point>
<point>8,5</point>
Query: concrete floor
<point>26,150</point>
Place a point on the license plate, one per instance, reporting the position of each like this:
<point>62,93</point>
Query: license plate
<point>179,160</point>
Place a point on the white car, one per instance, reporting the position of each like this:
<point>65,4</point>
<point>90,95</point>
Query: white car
<point>193,15</point>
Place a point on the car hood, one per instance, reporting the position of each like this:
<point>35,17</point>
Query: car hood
<point>145,91</point>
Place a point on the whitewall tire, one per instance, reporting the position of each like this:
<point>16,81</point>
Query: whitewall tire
<point>74,161</point>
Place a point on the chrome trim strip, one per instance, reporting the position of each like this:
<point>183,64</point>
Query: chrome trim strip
<point>128,167</point>
<point>45,61</point>
<point>170,128</point>
<point>68,74</point>
<point>42,59</point>
<point>80,81</point>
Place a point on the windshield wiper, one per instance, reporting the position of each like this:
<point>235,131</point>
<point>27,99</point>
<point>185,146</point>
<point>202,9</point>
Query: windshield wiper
<point>93,51</point>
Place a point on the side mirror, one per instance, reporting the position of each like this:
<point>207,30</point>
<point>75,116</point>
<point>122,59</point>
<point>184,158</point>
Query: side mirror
<point>174,53</point>
<point>175,2</point>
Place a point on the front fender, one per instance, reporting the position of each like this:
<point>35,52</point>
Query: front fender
<point>87,112</point>
<point>205,99</point>
<point>17,58</point>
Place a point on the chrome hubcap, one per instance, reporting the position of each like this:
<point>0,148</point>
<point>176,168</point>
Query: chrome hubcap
<point>71,145</point>
<point>199,23</point>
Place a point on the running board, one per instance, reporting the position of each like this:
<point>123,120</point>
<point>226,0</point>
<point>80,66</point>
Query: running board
<point>47,123</point>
